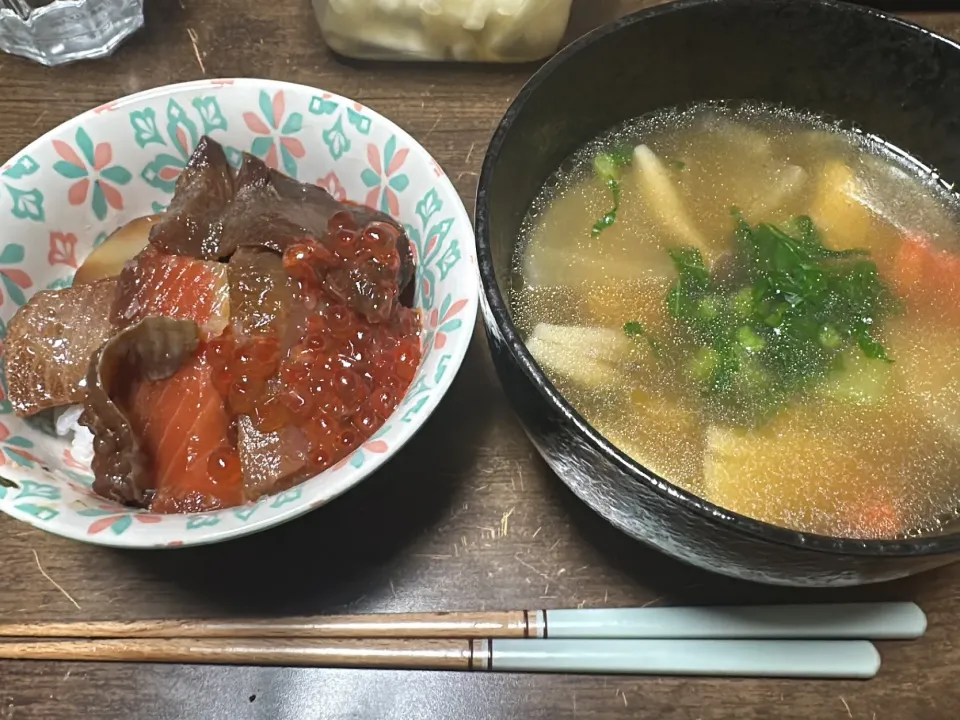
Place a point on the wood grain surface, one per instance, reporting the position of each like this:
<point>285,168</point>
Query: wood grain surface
<point>483,525</point>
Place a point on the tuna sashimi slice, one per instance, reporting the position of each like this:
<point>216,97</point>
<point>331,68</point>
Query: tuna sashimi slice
<point>271,461</point>
<point>49,344</point>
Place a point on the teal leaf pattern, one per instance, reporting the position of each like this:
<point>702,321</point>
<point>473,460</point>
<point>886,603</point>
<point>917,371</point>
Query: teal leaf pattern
<point>145,130</point>
<point>59,283</point>
<point>289,163</point>
<point>360,122</point>
<point>336,140</point>
<point>450,325</point>
<point>117,174</point>
<point>426,290</point>
<point>234,156</point>
<point>99,203</point>
<point>430,205</point>
<point>414,409</point>
<point>19,457</point>
<point>442,367</point>
<point>13,290</point>
<point>436,235</point>
<point>181,130</point>
<point>293,124</point>
<point>12,254</point>
<point>199,521</point>
<point>25,166</point>
<point>287,497</point>
<point>69,170</point>
<point>162,172</point>
<point>86,145</point>
<point>210,114</point>
<point>27,204</point>
<point>266,107</point>
<point>121,524</point>
<point>414,236</point>
<point>96,512</point>
<point>33,489</point>
<point>40,512</point>
<point>389,150</point>
<point>261,146</point>
<point>81,478</point>
<point>449,260</point>
<point>399,182</point>
<point>369,178</point>
<point>246,513</point>
<point>158,207</point>
<point>322,106</point>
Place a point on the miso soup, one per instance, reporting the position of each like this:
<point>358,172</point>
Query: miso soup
<point>762,307</point>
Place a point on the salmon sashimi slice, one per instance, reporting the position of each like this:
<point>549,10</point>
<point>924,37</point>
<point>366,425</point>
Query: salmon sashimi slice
<point>175,286</point>
<point>181,422</point>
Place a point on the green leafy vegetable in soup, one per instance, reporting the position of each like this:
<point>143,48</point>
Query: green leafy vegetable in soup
<point>773,321</point>
<point>607,166</point>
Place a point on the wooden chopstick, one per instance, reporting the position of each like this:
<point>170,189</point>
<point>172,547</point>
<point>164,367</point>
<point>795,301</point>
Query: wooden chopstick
<point>868,621</point>
<point>507,624</point>
<point>724,658</point>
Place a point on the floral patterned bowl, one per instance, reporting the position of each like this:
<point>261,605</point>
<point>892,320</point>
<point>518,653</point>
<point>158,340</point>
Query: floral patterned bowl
<point>68,190</point>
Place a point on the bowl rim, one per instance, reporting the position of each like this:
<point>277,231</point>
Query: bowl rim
<point>347,480</point>
<point>497,309</point>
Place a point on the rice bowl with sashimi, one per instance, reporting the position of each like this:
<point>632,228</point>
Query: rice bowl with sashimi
<point>242,350</point>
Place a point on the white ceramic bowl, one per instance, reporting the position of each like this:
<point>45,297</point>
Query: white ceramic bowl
<point>69,189</point>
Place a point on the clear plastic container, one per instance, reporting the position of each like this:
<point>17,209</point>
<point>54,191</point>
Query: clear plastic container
<point>432,30</point>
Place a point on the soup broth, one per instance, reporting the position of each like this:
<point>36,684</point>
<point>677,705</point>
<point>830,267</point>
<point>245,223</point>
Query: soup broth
<point>761,307</point>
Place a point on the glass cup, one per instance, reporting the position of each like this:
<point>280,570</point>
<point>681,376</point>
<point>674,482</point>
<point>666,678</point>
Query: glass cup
<point>64,31</point>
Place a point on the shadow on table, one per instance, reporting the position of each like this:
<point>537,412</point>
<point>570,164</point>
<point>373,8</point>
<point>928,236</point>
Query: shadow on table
<point>327,559</point>
<point>673,582</point>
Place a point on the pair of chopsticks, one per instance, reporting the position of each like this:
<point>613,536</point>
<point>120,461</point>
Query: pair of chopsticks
<point>812,641</point>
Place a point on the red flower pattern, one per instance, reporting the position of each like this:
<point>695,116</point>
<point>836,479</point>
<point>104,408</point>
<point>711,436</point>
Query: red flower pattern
<point>62,249</point>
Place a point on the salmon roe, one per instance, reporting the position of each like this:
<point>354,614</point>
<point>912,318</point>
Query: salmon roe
<point>345,375</point>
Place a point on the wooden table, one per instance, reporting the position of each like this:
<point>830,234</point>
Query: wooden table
<point>485,526</point>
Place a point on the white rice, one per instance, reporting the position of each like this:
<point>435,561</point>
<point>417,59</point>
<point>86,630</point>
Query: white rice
<point>81,439</point>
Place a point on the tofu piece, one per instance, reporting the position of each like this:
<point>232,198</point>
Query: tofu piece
<point>641,430</point>
<point>862,381</point>
<point>797,475</point>
<point>839,211</point>
<point>597,343</point>
<point>614,304</point>
<point>570,363</point>
<point>928,364</point>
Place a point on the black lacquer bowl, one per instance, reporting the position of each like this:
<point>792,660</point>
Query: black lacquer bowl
<point>888,77</point>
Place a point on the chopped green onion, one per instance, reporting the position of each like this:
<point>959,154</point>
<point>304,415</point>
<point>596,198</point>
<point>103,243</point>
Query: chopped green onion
<point>634,329</point>
<point>749,340</point>
<point>606,166</point>
<point>830,338</point>
<point>798,306</point>
<point>611,217</point>
<point>703,364</point>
